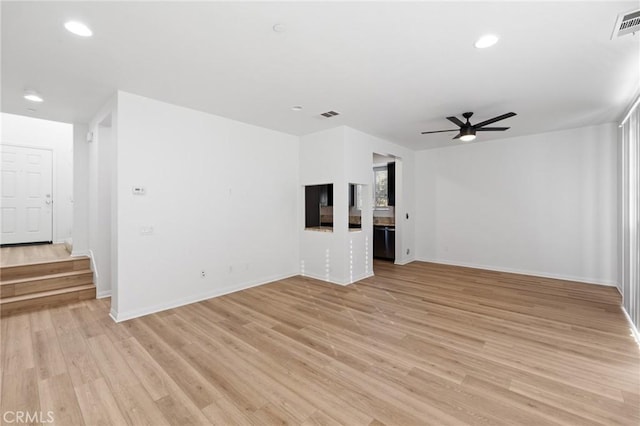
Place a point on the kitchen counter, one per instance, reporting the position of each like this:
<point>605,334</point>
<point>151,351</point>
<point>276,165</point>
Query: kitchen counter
<point>320,228</point>
<point>383,222</point>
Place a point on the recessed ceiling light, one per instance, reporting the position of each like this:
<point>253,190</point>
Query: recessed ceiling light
<point>296,108</point>
<point>78,28</point>
<point>279,28</point>
<point>33,96</point>
<point>486,41</point>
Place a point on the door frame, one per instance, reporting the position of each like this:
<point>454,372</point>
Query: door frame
<point>53,189</point>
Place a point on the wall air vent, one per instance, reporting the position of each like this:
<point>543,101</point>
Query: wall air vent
<point>329,114</point>
<point>627,23</point>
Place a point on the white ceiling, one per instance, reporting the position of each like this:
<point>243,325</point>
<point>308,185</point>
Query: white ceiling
<point>391,69</point>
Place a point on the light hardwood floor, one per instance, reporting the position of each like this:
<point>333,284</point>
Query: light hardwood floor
<point>21,255</point>
<point>418,344</point>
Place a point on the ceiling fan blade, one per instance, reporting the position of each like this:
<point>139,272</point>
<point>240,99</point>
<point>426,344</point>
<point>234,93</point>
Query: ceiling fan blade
<point>494,119</point>
<point>440,131</point>
<point>492,129</point>
<point>455,121</point>
<point>457,136</point>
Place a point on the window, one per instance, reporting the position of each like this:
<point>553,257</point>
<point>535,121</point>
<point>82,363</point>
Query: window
<point>381,187</point>
<point>630,229</point>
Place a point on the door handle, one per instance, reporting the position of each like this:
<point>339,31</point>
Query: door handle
<point>48,202</point>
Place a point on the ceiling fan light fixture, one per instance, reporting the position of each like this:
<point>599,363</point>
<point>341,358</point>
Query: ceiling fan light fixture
<point>467,131</point>
<point>467,134</point>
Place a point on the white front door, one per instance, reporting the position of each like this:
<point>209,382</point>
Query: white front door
<point>26,195</point>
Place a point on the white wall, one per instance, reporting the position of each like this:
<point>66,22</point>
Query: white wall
<point>80,232</point>
<point>100,205</point>
<point>221,197</point>
<point>360,149</point>
<point>543,204</point>
<point>324,255</point>
<point>341,156</point>
<point>57,137</point>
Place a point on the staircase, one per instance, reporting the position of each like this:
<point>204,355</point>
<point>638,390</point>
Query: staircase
<point>44,284</point>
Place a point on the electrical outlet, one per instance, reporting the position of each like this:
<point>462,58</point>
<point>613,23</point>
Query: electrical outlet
<point>203,274</point>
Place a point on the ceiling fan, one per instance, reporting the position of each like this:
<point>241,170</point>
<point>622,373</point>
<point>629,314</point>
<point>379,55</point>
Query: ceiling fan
<point>468,130</point>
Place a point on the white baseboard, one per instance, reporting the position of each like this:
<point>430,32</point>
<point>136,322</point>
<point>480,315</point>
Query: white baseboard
<point>632,326</point>
<point>68,245</point>
<point>523,272</point>
<point>78,253</point>
<point>405,261</point>
<point>94,268</point>
<point>103,294</point>
<point>342,282</point>
<point>362,277</point>
<point>325,279</point>
<point>135,313</point>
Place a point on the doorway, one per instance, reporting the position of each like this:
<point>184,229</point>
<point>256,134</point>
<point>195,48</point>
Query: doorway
<point>36,186</point>
<point>384,204</point>
<point>27,195</point>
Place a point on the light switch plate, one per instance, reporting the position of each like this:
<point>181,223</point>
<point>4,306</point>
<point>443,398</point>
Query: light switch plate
<point>146,230</point>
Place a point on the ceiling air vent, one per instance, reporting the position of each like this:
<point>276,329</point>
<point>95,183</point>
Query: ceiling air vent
<point>626,23</point>
<point>329,114</point>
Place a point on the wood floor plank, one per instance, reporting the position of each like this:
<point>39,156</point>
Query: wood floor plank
<point>49,358</point>
<point>235,387</point>
<point>196,387</point>
<point>178,413</point>
<point>41,320</point>
<point>133,400</point>
<point>20,255</point>
<point>58,398</point>
<point>298,367</point>
<point>20,392</point>
<point>148,372</point>
<point>81,365</point>
<point>319,418</point>
<point>224,412</point>
<point>19,354</point>
<point>97,404</point>
<point>418,344</point>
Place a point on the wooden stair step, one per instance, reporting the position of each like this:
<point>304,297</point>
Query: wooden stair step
<point>9,273</point>
<point>33,301</point>
<point>29,285</point>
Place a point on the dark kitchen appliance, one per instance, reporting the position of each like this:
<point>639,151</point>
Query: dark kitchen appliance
<point>384,242</point>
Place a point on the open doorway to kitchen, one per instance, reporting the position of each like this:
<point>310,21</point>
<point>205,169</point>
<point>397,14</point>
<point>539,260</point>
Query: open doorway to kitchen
<point>384,205</point>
